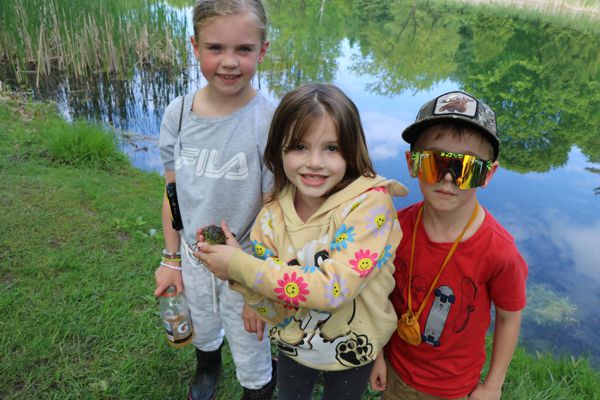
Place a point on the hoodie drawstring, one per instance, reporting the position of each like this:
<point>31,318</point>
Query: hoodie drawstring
<point>195,263</point>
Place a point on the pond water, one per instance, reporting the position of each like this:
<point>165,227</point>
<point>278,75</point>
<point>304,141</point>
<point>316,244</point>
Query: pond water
<point>542,79</point>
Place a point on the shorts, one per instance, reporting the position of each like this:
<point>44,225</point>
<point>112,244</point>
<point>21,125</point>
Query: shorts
<point>397,389</point>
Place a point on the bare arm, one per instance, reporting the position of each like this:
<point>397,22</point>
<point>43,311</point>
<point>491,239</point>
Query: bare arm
<point>164,276</point>
<point>378,378</point>
<point>506,335</point>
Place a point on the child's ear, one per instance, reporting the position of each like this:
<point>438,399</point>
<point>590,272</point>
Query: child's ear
<point>491,173</point>
<point>195,46</point>
<point>263,51</point>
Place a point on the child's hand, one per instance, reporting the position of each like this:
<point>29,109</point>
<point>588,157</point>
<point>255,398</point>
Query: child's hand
<point>378,378</point>
<point>252,323</point>
<point>482,392</point>
<point>215,257</point>
<point>229,237</point>
<point>166,277</point>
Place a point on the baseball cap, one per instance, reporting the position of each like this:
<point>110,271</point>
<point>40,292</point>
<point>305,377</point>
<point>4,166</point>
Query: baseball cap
<point>454,106</point>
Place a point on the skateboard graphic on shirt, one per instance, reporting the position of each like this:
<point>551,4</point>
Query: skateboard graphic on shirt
<point>444,299</point>
<point>439,312</point>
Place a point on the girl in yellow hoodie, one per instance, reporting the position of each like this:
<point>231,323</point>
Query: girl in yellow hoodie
<point>322,267</point>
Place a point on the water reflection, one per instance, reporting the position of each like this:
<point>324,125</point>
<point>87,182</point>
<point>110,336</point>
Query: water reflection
<point>545,306</point>
<point>580,240</point>
<point>543,80</point>
<point>555,220</point>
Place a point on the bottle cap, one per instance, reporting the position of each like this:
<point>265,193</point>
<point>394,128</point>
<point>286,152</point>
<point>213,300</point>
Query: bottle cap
<point>170,292</point>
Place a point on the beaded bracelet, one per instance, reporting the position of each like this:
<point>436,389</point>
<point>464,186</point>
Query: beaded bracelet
<point>171,256</point>
<point>162,264</point>
<point>171,259</point>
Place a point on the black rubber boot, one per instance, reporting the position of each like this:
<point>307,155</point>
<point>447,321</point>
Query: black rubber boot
<point>208,370</point>
<point>265,392</point>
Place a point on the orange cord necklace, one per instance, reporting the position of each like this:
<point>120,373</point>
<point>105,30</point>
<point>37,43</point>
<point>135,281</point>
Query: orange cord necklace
<point>408,324</point>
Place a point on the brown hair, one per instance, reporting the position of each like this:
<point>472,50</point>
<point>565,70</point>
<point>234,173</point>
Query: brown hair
<point>457,129</point>
<point>204,10</point>
<point>296,115</point>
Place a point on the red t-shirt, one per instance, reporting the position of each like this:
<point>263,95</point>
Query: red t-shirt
<point>485,268</point>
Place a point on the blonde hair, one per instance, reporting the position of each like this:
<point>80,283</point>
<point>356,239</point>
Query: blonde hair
<point>293,120</point>
<point>205,10</point>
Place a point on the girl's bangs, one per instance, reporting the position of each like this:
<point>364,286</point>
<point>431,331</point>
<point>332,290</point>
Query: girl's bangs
<point>300,127</point>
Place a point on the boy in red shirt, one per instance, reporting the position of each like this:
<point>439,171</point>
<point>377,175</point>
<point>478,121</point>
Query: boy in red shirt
<point>454,262</point>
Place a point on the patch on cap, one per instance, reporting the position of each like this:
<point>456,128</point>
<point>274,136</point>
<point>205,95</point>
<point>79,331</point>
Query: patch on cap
<point>454,106</point>
<point>455,103</point>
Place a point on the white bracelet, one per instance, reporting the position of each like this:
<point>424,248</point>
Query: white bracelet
<point>162,264</point>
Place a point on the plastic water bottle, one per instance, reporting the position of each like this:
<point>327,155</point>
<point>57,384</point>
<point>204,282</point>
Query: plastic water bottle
<point>176,318</point>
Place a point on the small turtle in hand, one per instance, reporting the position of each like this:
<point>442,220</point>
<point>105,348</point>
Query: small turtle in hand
<point>213,234</point>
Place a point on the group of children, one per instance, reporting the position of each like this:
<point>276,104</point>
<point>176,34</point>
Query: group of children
<point>349,290</point>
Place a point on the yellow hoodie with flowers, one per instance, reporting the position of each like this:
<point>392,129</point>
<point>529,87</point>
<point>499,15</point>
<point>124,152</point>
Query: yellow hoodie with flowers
<point>322,285</point>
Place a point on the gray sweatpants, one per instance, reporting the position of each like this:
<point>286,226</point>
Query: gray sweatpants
<point>216,311</point>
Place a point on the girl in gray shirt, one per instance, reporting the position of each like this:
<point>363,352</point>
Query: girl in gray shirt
<point>211,145</point>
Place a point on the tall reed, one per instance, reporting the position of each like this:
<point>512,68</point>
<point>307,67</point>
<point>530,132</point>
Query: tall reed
<point>583,10</point>
<point>43,38</point>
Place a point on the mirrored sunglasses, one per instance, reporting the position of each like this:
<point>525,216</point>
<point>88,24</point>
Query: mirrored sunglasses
<point>467,171</point>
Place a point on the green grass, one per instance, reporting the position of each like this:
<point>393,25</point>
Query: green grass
<point>78,248</point>
<point>582,15</point>
<point>82,145</point>
<point>43,39</point>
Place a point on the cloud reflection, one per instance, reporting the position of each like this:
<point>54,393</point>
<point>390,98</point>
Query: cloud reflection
<point>581,242</point>
<point>383,133</point>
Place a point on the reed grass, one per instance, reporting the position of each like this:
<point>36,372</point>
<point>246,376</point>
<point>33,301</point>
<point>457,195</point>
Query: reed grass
<point>580,14</point>
<point>81,40</point>
<point>564,7</point>
<point>41,39</point>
